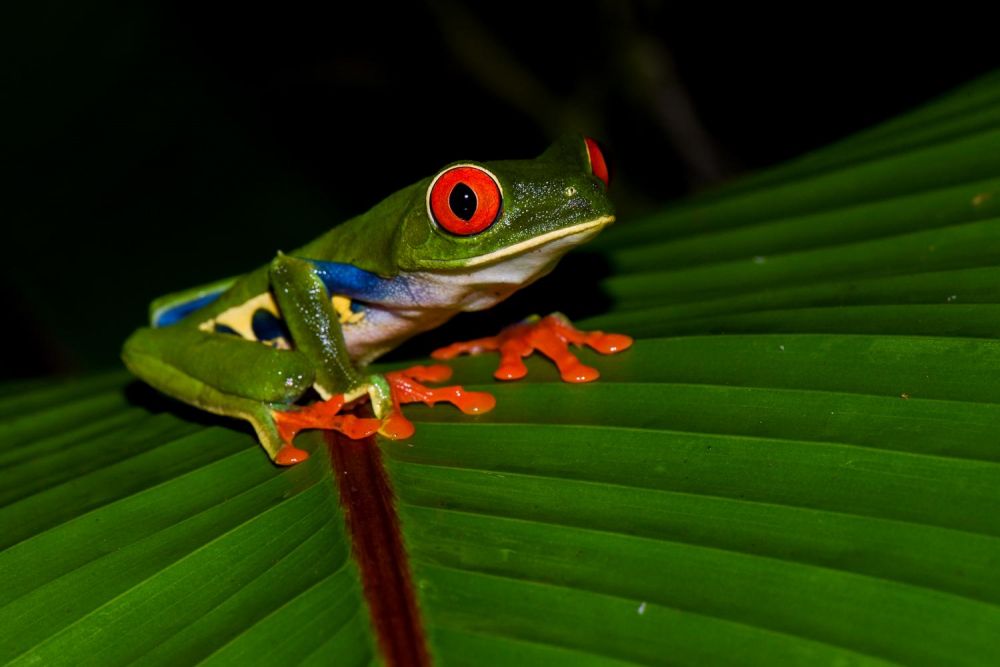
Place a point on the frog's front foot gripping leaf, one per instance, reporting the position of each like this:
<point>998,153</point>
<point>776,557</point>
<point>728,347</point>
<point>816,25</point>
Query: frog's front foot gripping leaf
<point>407,387</point>
<point>404,386</point>
<point>320,415</point>
<point>550,335</point>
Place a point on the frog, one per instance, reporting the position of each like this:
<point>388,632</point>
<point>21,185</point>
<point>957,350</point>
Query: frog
<point>286,347</point>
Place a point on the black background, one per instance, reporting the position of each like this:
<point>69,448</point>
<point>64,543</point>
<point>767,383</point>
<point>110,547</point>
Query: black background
<point>153,146</point>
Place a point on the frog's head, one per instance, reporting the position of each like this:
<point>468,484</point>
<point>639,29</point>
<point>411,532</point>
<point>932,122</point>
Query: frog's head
<point>522,215</point>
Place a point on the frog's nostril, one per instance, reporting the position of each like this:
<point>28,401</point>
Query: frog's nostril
<point>598,164</point>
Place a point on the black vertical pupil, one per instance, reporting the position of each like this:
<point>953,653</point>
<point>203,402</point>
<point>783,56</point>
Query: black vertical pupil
<point>463,201</point>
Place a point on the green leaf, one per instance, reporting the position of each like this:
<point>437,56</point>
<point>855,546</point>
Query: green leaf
<point>146,537</point>
<point>797,463</point>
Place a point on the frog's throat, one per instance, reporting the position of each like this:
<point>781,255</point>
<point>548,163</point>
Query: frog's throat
<point>594,225</point>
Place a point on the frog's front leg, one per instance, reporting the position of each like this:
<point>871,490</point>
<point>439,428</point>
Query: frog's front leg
<point>551,335</point>
<point>307,310</point>
<point>315,329</point>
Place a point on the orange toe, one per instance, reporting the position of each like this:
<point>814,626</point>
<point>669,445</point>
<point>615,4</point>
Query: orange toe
<point>324,415</point>
<point>406,387</point>
<point>289,456</point>
<point>552,336</point>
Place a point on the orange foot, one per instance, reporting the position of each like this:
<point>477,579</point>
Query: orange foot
<point>322,415</point>
<point>407,388</point>
<point>550,335</point>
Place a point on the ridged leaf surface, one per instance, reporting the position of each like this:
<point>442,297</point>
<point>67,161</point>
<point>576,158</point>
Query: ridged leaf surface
<point>797,463</point>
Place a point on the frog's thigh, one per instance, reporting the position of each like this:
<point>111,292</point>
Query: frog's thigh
<point>221,374</point>
<point>230,365</point>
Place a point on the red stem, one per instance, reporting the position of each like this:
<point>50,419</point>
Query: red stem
<point>368,502</point>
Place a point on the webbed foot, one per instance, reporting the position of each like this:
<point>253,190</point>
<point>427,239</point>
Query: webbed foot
<point>319,415</point>
<point>387,395</point>
<point>550,335</point>
<point>406,387</point>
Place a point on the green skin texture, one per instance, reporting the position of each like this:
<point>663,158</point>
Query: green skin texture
<point>240,378</point>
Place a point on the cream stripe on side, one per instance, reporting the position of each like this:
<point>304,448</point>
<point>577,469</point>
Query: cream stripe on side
<point>240,318</point>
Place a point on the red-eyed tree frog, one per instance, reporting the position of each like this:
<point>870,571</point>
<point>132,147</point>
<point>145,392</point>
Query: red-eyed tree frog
<point>257,346</point>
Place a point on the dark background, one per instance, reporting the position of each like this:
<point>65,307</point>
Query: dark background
<point>151,146</point>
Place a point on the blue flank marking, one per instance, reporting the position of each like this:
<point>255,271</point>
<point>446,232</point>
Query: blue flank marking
<point>339,278</point>
<point>352,282</point>
<point>176,313</point>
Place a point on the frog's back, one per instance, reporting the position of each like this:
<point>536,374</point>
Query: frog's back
<point>212,299</point>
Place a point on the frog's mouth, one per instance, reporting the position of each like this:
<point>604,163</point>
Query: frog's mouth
<point>573,235</point>
<point>483,281</point>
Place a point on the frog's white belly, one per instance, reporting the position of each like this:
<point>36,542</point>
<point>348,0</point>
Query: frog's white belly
<point>436,296</point>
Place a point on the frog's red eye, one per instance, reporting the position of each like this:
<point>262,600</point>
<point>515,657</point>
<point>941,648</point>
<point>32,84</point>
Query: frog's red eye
<point>464,200</point>
<point>597,163</point>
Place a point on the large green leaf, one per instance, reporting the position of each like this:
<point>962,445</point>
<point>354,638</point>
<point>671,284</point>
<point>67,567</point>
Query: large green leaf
<point>820,485</point>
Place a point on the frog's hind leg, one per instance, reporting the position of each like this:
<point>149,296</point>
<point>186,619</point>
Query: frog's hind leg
<point>224,375</point>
